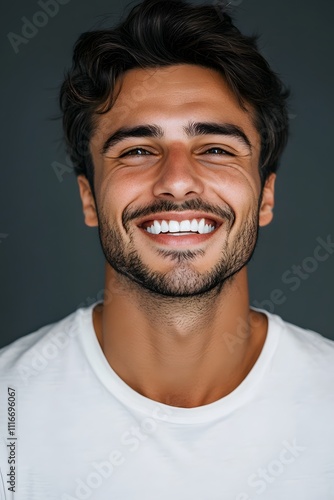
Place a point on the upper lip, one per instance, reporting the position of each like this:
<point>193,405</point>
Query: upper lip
<point>180,216</point>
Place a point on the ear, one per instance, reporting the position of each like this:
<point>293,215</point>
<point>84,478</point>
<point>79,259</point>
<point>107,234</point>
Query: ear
<point>268,201</point>
<point>88,202</point>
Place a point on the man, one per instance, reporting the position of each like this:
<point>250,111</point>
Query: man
<point>172,387</point>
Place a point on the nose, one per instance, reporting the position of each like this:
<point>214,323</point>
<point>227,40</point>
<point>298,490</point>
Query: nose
<point>178,178</point>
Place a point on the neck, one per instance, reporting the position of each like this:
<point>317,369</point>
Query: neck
<point>180,351</point>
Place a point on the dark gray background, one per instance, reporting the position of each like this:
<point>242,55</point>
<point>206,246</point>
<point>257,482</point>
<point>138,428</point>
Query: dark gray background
<point>51,263</point>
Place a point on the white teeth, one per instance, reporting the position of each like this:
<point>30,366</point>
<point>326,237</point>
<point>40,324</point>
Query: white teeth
<point>194,226</point>
<point>186,226</point>
<point>201,225</point>
<point>164,227</point>
<point>157,227</point>
<point>174,226</point>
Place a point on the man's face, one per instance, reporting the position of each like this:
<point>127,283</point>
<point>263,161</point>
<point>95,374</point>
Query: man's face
<point>177,181</point>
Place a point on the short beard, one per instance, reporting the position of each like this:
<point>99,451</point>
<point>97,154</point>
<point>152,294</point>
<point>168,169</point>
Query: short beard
<point>183,280</point>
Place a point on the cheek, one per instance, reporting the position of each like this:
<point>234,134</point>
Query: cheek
<point>239,190</point>
<point>115,193</point>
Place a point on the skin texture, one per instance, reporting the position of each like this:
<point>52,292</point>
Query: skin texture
<point>176,324</point>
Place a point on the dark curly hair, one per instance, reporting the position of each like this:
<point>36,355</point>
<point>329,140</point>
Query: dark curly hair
<point>159,33</point>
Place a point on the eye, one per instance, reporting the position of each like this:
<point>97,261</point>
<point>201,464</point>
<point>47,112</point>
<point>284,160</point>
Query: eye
<point>136,152</point>
<point>217,151</point>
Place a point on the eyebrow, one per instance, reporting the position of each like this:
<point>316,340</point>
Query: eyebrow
<point>192,130</point>
<point>124,133</point>
<point>227,129</point>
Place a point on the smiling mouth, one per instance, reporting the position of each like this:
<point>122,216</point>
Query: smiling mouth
<point>180,228</point>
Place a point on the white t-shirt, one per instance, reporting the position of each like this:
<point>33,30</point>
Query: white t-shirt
<point>81,432</point>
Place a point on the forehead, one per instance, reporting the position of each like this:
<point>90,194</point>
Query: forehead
<point>177,94</point>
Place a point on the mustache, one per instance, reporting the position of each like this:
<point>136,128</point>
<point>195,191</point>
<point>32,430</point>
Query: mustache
<point>225,212</point>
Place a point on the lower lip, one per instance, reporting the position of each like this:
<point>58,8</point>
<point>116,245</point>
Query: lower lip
<point>179,241</point>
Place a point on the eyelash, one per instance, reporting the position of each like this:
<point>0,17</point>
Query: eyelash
<point>128,153</point>
<point>221,149</point>
<point>131,151</point>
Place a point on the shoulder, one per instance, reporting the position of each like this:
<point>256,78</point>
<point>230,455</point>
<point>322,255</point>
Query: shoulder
<point>305,338</point>
<point>43,350</point>
<point>304,349</point>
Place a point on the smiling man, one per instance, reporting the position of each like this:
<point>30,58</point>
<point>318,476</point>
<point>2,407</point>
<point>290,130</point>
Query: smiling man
<point>172,387</point>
